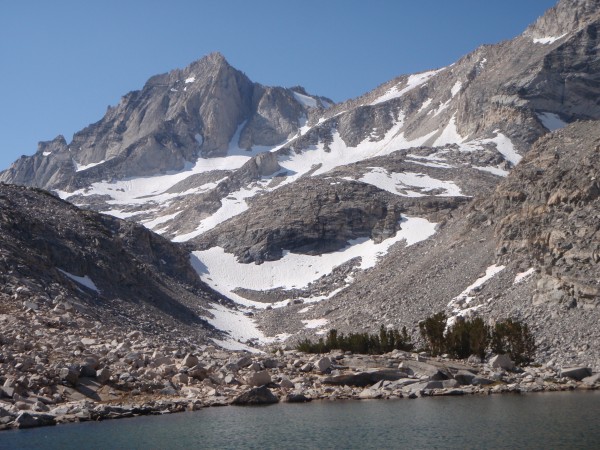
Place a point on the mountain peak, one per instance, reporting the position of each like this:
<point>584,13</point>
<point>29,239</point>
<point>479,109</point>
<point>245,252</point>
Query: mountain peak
<point>566,17</point>
<point>214,59</point>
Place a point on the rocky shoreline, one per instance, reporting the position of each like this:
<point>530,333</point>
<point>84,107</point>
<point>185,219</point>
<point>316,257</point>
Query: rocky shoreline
<point>134,377</point>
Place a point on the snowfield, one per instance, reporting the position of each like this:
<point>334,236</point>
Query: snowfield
<point>80,167</point>
<point>400,183</point>
<point>84,281</point>
<point>305,100</point>
<point>460,304</point>
<point>222,272</point>
<point>321,161</point>
<point>548,39</point>
<point>551,121</point>
<point>412,82</point>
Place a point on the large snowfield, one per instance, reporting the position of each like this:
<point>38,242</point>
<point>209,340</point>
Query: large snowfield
<point>225,274</point>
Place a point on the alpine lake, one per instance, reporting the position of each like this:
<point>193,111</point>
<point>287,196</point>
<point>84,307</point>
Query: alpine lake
<point>545,420</point>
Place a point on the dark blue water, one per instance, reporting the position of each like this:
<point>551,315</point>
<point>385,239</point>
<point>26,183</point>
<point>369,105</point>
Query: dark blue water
<point>535,421</point>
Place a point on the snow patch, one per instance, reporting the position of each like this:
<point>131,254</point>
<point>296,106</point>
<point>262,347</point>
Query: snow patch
<point>460,304</point>
<point>493,170</point>
<point>239,326</point>
<point>428,161</point>
<point>305,100</point>
<point>520,277</point>
<point>80,167</point>
<point>449,135</point>
<point>425,104</point>
<point>548,39</point>
<point>551,121</point>
<point>397,182</point>
<point>315,323</point>
<point>338,153</point>
<point>190,80</point>
<point>456,88</point>
<point>84,281</point>
<point>441,108</point>
<point>231,206</point>
<point>151,224</point>
<point>412,82</point>
<point>490,272</point>
<point>505,146</point>
<point>46,153</point>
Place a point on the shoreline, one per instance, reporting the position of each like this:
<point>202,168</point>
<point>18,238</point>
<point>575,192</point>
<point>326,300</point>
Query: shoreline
<point>237,378</point>
<point>179,406</point>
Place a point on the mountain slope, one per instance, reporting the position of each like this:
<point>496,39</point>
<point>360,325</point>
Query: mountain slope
<point>529,250</point>
<point>52,253</point>
<point>282,197</point>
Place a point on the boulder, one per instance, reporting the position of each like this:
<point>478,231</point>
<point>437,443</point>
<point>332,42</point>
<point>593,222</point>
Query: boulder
<point>435,384</point>
<point>89,367</point>
<point>180,378</point>
<point>576,373</point>
<point>448,384</point>
<point>189,360</point>
<point>7,392</point>
<point>230,379</point>
<point>69,374</point>
<point>323,364</point>
<point>502,362</point>
<point>363,379</point>
<point>258,378</point>
<point>198,371</point>
<point>244,361</point>
<point>231,367</point>
<point>307,367</point>
<point>474,359</point>
<point>592,379</point>
<point>297,398</point>
<point>369,393</point>
<point>423,369</point>
<point>464,377</point>
<point>286,383</point>
<point>103,375</point>
<point>161,360</point>
<point>270,363</point>
<point>255,366</point>
<point>256,396</point>
<point>88,341</point>
<point>28,420</point>
<point>480,381</point>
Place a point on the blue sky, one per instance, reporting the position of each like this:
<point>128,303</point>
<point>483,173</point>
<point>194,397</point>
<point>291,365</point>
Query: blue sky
<point>65,61</point>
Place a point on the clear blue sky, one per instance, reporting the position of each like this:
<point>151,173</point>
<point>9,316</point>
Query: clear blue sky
<point>64,61</point>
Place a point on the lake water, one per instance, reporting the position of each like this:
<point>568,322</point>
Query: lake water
<point>545,421</point>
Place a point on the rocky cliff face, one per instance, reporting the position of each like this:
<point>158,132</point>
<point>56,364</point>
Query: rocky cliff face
<point>547,211</point>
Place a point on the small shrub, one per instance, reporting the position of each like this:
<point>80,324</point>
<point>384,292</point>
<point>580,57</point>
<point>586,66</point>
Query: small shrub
<point>468,337</point>
<point>432,330</point>
<point>375,344</point>
<point>514,338</point>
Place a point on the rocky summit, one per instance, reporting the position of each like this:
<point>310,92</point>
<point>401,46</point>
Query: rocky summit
<point>206,216</point>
